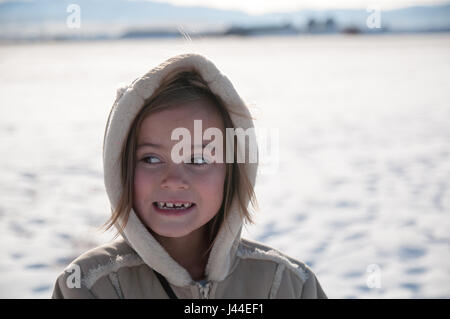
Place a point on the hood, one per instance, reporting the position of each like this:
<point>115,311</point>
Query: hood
<point>128,103</point>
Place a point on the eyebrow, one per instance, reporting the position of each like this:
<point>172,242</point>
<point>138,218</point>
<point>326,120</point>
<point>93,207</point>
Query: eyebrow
<point>147,144</point>
<point>154,145</point>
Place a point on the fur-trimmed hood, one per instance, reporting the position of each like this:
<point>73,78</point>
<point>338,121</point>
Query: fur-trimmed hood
<point>129,101</point>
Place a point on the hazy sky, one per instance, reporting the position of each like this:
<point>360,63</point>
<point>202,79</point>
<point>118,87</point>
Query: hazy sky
<point>263,6</point>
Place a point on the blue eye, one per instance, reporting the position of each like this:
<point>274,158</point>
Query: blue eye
<point>152,160</point>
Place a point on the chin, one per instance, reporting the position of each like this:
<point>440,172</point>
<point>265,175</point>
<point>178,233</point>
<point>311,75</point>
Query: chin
<point>171,232</point>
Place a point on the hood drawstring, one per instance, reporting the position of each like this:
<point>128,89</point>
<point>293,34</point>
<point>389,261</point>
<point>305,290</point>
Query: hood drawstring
<point>165,284</point>
<point>203,287</point>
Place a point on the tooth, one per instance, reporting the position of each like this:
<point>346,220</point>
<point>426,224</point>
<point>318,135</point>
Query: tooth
<point>187,205</point>
<point>161,204</point>
<point>169,204</point>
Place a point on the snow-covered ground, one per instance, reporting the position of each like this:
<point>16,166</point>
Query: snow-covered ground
<point>362,189</point>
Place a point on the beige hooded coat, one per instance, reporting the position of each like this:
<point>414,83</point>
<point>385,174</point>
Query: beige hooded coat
<point>236,268</point>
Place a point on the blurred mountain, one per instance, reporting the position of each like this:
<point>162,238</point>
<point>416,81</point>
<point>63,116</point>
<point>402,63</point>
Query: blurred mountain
<point>404,19</point>
<point>113,18</point>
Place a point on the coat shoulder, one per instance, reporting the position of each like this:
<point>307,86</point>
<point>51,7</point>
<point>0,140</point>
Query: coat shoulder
<point>104,259</point>
<point>293,278</point>
<point>94,264</point>
<point>249,249</point>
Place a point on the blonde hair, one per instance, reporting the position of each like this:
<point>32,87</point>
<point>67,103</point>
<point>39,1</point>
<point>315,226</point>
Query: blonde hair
<point>182,86</point>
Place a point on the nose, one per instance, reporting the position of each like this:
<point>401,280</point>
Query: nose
<point>174,178</point>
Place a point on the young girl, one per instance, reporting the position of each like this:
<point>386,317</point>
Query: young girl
<point>181,221</point>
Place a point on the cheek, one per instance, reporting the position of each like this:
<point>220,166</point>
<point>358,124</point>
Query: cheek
<point>212,185</point>
<point>142,184</point>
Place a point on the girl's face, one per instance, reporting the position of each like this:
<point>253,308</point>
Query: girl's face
<point>158,179</point>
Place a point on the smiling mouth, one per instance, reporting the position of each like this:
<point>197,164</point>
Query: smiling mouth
<point>173,205</point>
